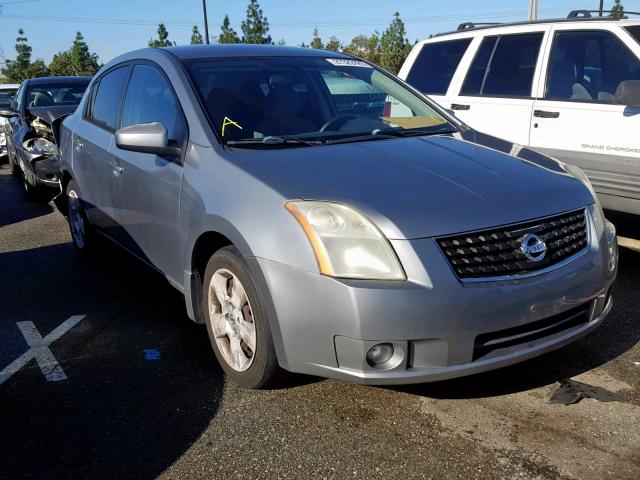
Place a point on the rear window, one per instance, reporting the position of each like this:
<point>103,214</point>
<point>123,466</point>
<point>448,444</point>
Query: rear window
<point>433,69</point>
<point>55,94</point>
<point>504,66</point>
<point>6,97</point>
<point>635,32</point>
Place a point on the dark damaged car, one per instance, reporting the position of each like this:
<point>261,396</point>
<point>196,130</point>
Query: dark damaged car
<point>32,127</point>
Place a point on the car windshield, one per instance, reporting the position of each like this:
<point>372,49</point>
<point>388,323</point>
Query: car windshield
<point>55,94</point>
<point>311,99</point>
<point>7,96</point>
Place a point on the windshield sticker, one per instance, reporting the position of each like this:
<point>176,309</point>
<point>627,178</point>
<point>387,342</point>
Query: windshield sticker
<point>228,121</point>
<point>345,62</point>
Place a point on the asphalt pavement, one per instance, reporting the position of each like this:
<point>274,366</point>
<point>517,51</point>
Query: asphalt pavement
<point>103,376</point>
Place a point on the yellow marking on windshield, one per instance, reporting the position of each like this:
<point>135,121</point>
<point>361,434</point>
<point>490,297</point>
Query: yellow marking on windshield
<point>413,122</point>
<point>228,121</point>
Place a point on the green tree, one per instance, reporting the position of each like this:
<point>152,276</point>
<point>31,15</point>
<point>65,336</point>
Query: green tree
<point>196,36</point>
<point>78,60</point>
<point>394,45</point>
<point>163,38</point>
<point>21,68</point>
<point>255,28</point>
<point>317,41</point>
<point>227,34</point>
<point>617,11</point>
<point>333,45</point>
<point>365,47</point>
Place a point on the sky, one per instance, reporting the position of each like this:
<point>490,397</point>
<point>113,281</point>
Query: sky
<point>115,26</point>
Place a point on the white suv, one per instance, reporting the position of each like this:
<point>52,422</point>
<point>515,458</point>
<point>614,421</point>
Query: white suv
<point>568,88</point>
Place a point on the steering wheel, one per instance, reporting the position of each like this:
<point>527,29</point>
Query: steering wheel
<point>336,122</point>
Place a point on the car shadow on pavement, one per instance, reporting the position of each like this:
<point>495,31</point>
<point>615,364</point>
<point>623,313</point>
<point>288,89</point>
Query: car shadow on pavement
<point>619,333</point>
<point>14,205</point>
<point>142,381</point>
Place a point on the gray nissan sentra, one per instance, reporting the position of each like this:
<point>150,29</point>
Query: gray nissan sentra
<point>320,216</point>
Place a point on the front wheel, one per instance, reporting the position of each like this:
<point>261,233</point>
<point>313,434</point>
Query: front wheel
<point>236,321</point>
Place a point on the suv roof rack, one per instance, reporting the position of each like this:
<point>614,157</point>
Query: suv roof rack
<point>574,15</point>
<point>578,14</point>
<point>471,25</point>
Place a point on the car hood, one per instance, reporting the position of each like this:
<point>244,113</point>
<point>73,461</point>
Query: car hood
<point>49,114</point>
<point>425,186</point>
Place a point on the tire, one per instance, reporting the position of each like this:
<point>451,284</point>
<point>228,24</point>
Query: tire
<point>15,170</point>
<point>82,233</point>
<point>230,323</point>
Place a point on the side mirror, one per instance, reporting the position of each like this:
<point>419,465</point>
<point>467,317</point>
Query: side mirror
<point>8,112</point>
<point>628,93</point>
<point>146,138</point>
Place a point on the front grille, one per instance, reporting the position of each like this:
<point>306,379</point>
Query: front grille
<point>488,342</point>
<point>497,252</point>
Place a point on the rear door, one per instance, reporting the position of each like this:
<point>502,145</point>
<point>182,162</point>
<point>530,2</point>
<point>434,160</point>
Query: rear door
<point>147,186</point>
<point>494,94</point>
<point>92,139</point>
<point>577,119</point>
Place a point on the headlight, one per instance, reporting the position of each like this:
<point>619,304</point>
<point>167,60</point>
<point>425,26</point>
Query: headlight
<point>346,243</point>
<point>40,146</point>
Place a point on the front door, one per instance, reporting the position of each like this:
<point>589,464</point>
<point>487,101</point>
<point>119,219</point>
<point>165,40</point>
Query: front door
<point>578,119</point>
<point>148,186</point>
<point>495,97</point>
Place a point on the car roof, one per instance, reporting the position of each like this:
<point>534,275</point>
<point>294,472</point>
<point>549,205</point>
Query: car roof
<point>241,50</point>
<point>60,80</point>
<point>470,27</point>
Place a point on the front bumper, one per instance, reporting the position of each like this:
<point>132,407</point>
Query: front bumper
<point>324,326</point>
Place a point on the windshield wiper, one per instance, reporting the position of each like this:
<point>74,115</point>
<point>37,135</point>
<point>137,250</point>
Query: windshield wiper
<point>273,141</point>
<point>381,134</point>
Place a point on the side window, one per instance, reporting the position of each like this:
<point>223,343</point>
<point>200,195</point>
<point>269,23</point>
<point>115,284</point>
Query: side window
<point>107,98</point>
<point>433,69</point>
<point>589,66</point>
<point>635,32</point>
<point>504,66</point>
<point>150,98</point>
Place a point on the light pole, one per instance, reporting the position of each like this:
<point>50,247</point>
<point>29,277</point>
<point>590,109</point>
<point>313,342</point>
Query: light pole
<point>206,22</point>
<point>601,11</point>
<point>533,10</point>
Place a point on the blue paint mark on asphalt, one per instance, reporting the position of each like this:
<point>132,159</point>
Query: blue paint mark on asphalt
<point>151,354</point>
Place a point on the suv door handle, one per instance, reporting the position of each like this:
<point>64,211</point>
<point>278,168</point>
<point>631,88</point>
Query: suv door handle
<point>115,167</point>
<point>458,106</point>
<point>545,114</point>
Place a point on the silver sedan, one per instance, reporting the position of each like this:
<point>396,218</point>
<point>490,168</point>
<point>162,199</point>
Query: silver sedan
<point>320,216</point>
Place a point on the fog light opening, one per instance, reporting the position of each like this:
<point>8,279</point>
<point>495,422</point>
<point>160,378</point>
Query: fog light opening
<point>379,354</point>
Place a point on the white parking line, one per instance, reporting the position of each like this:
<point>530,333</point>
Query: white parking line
<point>39,349</point>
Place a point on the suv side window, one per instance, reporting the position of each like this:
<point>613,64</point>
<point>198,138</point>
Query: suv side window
<point>589,66</point>
<point>150,98</point>
<point>635,32</point>
<point>433,69</point>
<point>504,66</point>
<point>107,98</point>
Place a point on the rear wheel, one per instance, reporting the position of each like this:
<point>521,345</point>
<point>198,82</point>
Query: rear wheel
<point>236,321</point>
<point>81,231</point>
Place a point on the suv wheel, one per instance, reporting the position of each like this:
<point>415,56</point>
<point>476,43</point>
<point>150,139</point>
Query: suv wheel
<point>236,321</point>
<point>81,231</point>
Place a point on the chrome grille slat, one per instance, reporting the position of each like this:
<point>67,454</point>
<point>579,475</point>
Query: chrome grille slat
<point>496,252</point>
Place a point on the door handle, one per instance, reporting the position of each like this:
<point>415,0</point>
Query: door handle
<point>458,106</point>
<point>115,167</point>
<point>545,114</point>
